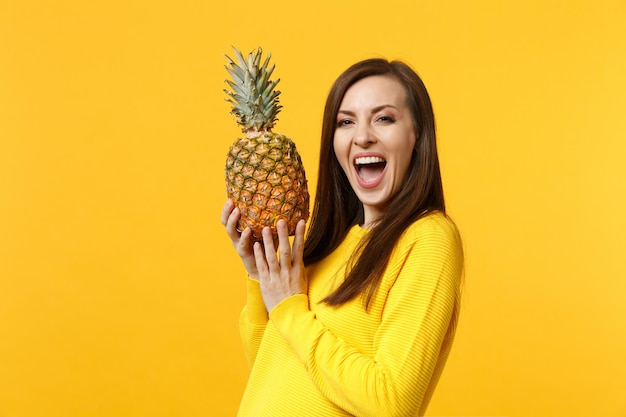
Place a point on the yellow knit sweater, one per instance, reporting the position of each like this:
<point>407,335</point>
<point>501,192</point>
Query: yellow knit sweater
<point>311,359</point>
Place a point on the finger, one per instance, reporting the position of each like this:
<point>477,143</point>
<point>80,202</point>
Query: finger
<point>226,210</point>
<point>245,239</point>
<point>270,249</point>
<point>231,224</point>
<point>283,244</point>
<point>297,251</point>
<point>259,258</point>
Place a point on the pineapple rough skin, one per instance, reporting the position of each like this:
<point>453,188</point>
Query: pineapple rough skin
<point>265,179</point>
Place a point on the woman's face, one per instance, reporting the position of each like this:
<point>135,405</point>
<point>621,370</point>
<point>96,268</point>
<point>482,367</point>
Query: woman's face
<point>374,141</point>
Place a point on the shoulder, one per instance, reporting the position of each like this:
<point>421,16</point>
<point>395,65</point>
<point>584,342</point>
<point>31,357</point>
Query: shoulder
<point>431,248</point>
<point>431,240</point>
<point>434,227</point>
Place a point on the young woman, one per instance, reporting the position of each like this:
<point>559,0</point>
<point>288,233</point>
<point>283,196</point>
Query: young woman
<point>357,320</point>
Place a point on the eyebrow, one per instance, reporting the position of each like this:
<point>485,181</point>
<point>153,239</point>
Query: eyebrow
<point>374,110</point>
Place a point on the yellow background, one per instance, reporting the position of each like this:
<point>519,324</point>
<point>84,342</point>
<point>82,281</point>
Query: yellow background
<point>119,291</point>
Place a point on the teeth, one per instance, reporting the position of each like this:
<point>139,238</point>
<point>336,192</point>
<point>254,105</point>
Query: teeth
<point>364,160</point>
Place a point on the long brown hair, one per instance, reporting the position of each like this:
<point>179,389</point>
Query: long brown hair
<point>337,207</point>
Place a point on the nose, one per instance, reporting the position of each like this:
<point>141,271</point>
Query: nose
<point>363,135</point>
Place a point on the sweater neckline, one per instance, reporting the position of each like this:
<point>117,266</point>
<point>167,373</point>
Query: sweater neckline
<point>357,231</point>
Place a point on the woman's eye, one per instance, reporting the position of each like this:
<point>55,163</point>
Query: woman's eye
<point>343,122</point>
<point>386,119</point>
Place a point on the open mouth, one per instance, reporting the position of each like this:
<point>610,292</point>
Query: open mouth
<point>369,168</point>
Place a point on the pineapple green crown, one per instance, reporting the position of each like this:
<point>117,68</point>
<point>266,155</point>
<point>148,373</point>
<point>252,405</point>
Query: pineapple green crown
<point>254,100</point>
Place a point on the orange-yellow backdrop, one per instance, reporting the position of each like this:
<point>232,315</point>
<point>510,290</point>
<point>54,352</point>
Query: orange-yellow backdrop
<point>119,291</point>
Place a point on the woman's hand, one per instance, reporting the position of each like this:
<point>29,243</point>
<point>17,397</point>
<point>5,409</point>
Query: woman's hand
<point>281,275</point>
<point>241,241</point>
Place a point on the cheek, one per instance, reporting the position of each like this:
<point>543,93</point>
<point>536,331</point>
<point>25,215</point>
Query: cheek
<point>341,152</point>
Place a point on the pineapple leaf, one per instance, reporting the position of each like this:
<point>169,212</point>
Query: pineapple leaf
<point>252,94</point>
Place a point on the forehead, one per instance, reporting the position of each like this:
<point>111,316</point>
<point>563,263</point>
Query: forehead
<point>375,91</point>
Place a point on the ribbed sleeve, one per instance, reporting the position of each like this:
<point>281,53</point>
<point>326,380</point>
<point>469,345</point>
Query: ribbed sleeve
<point>252,320</point>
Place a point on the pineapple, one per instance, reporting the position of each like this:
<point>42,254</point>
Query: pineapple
<point>264,173</point>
